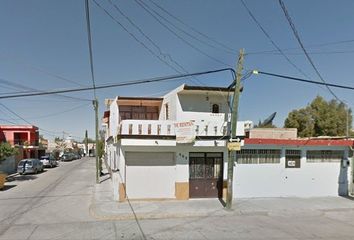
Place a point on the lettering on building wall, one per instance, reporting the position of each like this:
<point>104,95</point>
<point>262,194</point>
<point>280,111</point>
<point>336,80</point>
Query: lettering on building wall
<point>185,132</point>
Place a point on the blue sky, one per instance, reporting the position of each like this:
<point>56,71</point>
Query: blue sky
<point>42,38</point>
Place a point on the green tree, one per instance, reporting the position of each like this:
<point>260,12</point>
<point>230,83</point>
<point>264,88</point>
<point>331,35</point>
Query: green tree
<point>100,148</point>
<point>320,118</point>
<point>6,150</point>
<point>89,140</point>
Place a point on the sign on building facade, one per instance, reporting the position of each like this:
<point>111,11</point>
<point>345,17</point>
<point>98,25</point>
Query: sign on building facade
<point>185,132</point>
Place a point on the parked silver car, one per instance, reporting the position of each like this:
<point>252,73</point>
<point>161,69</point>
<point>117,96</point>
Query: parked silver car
<point>29,165</point>
<point>48,161</point>
<point>67,157</point>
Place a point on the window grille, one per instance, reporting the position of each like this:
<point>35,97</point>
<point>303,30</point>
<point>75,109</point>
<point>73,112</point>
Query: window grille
<point>316,156</point>
<point>258,156</point>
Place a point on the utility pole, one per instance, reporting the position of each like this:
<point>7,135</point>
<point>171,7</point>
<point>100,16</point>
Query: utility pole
<point>95,101</point>
<point>347,129</point>
<point>86,142</point>
<point>234,112</point>
<point>95,105</point>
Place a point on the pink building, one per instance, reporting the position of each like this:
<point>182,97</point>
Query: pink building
<point>25,137</point>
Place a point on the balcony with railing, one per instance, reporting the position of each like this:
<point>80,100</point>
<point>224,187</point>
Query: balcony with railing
<point>153,128</point>
<point>23,142</point>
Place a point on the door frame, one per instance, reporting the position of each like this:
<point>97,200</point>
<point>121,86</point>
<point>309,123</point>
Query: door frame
<point>204,181</point>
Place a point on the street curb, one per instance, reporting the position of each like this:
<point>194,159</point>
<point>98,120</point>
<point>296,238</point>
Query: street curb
<point>218,213</point>
<point>155,216</point>
<point>109,217</point>
<point>11,176</point>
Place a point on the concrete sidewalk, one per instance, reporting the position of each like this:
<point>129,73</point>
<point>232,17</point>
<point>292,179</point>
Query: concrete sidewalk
<point>103,207</point>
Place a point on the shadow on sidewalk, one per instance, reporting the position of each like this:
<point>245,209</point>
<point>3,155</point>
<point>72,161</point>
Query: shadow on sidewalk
<point>7,187</point>
<point>223,203</point>
<point>106,178</point>
<point>348,197</point>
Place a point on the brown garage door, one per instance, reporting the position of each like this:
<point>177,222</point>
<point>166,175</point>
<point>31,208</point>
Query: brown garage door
<point>205,175</point>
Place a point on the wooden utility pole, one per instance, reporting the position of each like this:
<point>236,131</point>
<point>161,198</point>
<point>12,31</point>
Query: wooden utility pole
<point>95,101</point>
<point>95,105</point>
<point>86,143</point>
<point>234,112</point>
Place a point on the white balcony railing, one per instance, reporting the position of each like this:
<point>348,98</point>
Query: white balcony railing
<point>166,128</point>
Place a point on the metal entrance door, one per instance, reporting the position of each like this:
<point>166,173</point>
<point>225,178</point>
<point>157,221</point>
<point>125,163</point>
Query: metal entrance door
<point>205,175</point>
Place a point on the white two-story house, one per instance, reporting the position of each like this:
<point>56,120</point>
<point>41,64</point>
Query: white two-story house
<point>173,147</point>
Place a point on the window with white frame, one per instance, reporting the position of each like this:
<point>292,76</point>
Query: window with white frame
<point>258,156</point>
<point>316,156</point>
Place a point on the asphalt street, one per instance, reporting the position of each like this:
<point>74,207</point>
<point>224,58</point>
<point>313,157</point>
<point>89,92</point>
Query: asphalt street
<point>56,205</point>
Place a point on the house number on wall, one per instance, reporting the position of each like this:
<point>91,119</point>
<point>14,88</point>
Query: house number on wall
<point>291,163</point>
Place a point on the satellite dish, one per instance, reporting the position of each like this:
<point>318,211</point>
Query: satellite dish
<point>270,119</point>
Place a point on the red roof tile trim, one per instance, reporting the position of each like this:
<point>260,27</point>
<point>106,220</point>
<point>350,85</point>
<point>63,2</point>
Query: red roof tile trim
<point>299,142</point>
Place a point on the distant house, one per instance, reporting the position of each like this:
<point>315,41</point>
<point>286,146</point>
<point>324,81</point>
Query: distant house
<point>25,138</point>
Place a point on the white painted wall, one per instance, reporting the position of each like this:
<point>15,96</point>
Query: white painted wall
<point>201,101</point>
<point>274,180</point>
<point>113,118</point>
<point>150,174</point>
<point>170,99</point>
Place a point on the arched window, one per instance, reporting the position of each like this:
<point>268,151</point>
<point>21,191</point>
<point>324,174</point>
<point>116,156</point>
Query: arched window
<point>215,108</point>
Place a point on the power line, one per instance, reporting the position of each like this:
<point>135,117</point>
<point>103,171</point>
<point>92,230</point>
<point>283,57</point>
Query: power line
<point>17,85</point>
<point>312,53</point>
<point>227,48</point>
<point>161,54</point>
<point>303,48</point>
<point>53,114</point>
<point>45,71</point>
<point>127,83</point>
<point>185,32</point>
<point>271,40</point>
<point>135,38</point>
<point>296,48</point>
<point>90,46</point>
<point>14,113</point>
<point>304,80</point>
<point>51,133</point>
<point>149,10</point>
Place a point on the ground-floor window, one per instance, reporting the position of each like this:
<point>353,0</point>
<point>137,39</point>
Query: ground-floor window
<point>315,156</point>
<point>292,158</point>
<point>258,156</point>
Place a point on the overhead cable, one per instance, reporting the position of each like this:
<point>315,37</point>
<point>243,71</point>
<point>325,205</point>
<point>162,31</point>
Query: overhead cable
<point>296,34</point>
<point>271,40</point>
<point>154,14</point>
<point>186,32</point>
<point>161,54</point>
<point>89,38</point>
<point>296,48</point>
<point>127,83</point>
<point>304,80</point>
<point>227,48</point>
<point>29,89</point>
